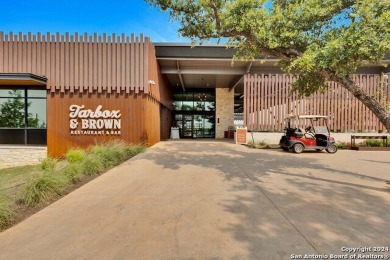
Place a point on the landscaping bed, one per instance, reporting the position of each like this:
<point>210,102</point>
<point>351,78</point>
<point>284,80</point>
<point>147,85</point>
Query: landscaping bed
<point>26,190</point>
<point>367,148</point>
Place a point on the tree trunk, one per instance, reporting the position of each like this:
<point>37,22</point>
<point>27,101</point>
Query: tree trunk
<point>379,110</point>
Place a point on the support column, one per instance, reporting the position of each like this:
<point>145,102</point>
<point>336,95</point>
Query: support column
<point>224,114</point>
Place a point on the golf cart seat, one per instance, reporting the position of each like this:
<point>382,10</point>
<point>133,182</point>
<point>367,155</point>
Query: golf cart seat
<point>306,134</point>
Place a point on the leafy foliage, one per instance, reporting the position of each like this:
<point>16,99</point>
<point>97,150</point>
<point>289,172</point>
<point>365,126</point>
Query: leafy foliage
<point>315,40</point>
<point>75,155</point>
<point>372,143</point>
<point>343,145</point>
<point>12,112</point>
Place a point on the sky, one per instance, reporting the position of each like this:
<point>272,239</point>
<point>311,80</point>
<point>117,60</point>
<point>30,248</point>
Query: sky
<point>115,16</point>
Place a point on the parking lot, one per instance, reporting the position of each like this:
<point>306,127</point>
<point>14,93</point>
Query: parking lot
<point>211,199</point>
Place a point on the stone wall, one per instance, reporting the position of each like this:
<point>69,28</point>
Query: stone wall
<point>224,111</point>
<point>19,155</point>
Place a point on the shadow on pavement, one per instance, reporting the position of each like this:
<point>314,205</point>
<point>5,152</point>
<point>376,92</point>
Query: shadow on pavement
<point>328,207</point>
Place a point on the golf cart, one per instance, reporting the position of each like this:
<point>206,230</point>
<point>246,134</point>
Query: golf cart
<point>316,136</point>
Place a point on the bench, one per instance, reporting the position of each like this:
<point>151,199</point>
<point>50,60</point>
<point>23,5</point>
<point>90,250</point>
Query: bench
<point>354,137</point>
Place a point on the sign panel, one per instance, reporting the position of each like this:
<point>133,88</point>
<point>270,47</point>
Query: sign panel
<point>94,122</point>
<point>175,133</point>
<point>241,135</point>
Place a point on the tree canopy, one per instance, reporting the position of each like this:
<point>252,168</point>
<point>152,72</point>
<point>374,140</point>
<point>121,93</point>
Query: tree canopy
<point>316,40</point>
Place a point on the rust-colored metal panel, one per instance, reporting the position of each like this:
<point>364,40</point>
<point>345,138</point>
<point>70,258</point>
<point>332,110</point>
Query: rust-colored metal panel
<point>139,119</point>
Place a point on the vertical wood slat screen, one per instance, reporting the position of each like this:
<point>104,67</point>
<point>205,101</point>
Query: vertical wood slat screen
<point>267,101</point>
<point>79,62</point>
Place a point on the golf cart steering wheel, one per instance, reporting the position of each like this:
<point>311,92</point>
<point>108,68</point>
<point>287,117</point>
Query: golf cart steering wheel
<point>309,132</point>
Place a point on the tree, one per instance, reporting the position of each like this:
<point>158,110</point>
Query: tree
<point>12,112</point>
<point>315,40</point>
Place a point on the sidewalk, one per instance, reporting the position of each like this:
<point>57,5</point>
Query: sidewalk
<point>209,199</point>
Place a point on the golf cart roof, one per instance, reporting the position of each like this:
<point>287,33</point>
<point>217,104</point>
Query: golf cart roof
<point>304,117</point>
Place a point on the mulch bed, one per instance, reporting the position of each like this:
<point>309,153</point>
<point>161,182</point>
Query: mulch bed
<point>363,148</point>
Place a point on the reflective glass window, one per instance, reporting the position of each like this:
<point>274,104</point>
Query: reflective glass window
<point>12,112</point>
<point>24,109</point>
<point>14,93</point>
<point>36,117</point>
<point>38,93</point>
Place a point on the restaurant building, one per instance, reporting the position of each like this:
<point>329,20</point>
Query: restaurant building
<point>76,90</point>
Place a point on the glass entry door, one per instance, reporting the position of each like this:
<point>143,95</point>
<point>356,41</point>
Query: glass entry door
<point>188,126</point>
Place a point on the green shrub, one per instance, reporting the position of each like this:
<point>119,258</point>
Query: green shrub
<point>259,144</point>
<point>6,213</point>
<point>343,145</point>
<point>43,188</point>
<point>92,165</point>
<point>118,150</point>
<point>251,144</point>
<point>262,144</point>
<point>75,155</point>
<point>104,154</point>
<point>48,164</point>
<point>74,172</point>
<point>133,150</point>
<point>372,143</point>
<point>111,153</point>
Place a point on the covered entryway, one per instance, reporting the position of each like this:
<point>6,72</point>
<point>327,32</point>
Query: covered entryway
<point>203,69</point>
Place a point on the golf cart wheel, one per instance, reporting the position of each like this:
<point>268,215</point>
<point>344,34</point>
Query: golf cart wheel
<point>331,148</point>
<point>298,148</point>
<point>285,149</point>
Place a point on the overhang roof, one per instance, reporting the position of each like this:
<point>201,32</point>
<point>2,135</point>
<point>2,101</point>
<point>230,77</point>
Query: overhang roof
<point>24,79</point>
<point>211,66</point>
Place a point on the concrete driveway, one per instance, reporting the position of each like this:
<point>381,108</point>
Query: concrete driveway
<point>216,200</point>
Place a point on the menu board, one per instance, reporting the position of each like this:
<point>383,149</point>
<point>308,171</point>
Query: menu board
<point>241,135</point>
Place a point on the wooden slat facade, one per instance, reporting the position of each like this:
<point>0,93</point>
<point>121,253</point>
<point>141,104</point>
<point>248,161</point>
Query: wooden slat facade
<point>91,70</point>
<point>267,101</point>
<point>79,62</point>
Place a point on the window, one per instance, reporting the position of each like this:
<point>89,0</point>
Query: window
<point>12,109</point>
<point>22,116</point>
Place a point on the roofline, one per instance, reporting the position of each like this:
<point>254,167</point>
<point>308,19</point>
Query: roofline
<point>23,76</point>
<point>184,44</point>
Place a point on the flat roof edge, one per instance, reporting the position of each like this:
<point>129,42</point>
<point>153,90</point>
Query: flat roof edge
<point>23,76</point>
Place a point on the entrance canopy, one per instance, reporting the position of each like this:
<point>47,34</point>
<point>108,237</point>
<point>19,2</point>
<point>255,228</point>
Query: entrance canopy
<point>208,66</point>
<point>22,79</point>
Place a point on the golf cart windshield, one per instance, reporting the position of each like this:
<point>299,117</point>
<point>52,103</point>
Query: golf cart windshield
<point>321,129</point>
